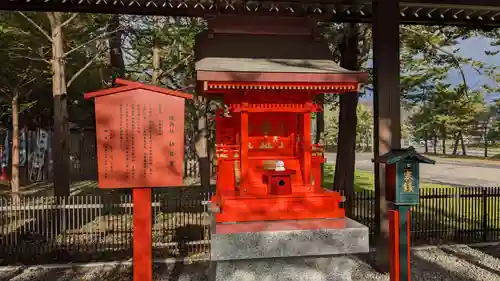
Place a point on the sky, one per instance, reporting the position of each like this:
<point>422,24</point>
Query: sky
<point>474,48</point>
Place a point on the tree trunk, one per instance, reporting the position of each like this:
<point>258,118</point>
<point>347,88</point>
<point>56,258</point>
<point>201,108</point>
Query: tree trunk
<point>116,60</point>
<point>14,182</point>
<point>202,144</point>
<point>156,54</point>
<point>346,149</point>
<point>435,141</point>
<point>443,143</point>
<point>485,142</point>
<point>61,122</point>
<point>455,144</point>
<point>426,144</point>
<point>462,143</point>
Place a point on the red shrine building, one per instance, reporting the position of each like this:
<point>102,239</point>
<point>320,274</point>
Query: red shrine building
<point>267,73</point>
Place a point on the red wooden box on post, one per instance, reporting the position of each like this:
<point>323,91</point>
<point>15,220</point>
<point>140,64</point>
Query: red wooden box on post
<point>140,145</point>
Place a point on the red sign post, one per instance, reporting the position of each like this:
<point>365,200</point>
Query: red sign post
<point>140,145</point>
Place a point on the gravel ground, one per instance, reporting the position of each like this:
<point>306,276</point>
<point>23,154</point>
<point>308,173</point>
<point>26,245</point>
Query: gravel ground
<point>163,272</point>
<point>443,264</point>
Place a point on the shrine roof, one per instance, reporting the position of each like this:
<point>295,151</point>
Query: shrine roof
<point>241,56</point>
<point>396,155</point>
<point>269,65</point>
<point>125,86</point>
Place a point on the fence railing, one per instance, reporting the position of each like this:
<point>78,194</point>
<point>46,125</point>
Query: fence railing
<point>83,228</point>
<point>444,215</point>
<point>99,227</point>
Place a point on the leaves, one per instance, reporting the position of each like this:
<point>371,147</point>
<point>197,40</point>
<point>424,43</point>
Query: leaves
<point>363,129</point>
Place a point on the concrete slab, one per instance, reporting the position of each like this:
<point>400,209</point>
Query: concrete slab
<point>305,250</point>
<point>288,239</point>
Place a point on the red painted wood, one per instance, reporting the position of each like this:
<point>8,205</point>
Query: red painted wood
<point>230,87</point>
<point>244,151</point>
<point>140,136</point>
<point>250,138</point>
<point>142,239</point>
<point>307,149</point>
<point>279,207</point>
<point>316,172</point>
<point>409,248</point>
<point>394,244</point>
<point>279,182</point>
<point>271,173</point>
<point>140,140</point>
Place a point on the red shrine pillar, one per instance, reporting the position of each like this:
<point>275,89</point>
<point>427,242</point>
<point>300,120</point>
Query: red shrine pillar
<point>306,147</point>
<point>244,150</point>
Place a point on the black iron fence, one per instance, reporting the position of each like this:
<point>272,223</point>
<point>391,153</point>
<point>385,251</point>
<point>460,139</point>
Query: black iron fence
<point>445,214</point>
<point>99,227</point>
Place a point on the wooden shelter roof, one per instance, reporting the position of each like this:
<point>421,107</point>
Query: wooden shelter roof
<point>264,53</point>
<point>269,58</point>
<point>461,12</point>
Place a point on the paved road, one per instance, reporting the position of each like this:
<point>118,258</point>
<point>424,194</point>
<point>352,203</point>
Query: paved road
<point>446,171</point>
<point>477,152</point>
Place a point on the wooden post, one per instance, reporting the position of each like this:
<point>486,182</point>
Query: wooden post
<point>244,151</point>
<point>386,107</point>
<point>307,147</point>
<point>399,220</point>
<point>142,237</point>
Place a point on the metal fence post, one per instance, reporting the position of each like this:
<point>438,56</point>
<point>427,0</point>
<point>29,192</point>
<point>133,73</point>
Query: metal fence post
<point>485,213</point>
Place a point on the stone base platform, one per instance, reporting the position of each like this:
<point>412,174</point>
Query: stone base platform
<point>305,250</point>
<point>283,269</point>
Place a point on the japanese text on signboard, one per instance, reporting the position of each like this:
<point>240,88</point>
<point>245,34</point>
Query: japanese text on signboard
<point>139,139</point>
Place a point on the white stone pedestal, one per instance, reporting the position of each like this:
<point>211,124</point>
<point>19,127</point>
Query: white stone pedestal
<point>306,250</point>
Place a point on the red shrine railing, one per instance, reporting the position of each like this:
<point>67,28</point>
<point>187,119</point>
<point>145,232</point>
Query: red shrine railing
<point>232,152</point>
<point>227,152</point>
<point>318,150</point>
<point>276,107</point>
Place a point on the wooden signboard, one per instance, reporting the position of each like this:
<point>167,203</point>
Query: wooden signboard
<point>140,145</point>
<point>140,136</point>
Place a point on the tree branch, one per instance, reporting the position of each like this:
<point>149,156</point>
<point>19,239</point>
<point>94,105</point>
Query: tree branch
<point>170,70</point>
<point>89,42</point>
<point>36,26</point>
<point>6,93</point>
<point>27,83</point>
<point>453,57</point>
<point>66,22</point>
<point>79,72</point>
<point>30,58</point>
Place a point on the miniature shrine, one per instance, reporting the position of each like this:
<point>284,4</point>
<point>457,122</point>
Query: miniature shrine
<point>267,74</point>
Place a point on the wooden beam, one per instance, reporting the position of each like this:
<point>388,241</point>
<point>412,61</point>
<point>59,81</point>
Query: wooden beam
<point>360,10</point>
<point>387,104</point>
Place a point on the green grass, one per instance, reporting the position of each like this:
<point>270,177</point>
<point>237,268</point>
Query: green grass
<point>481,145</point>
<point>496,157</point>
<point>439,205</point>
<point>364,180</point>
<point>468,157</point>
